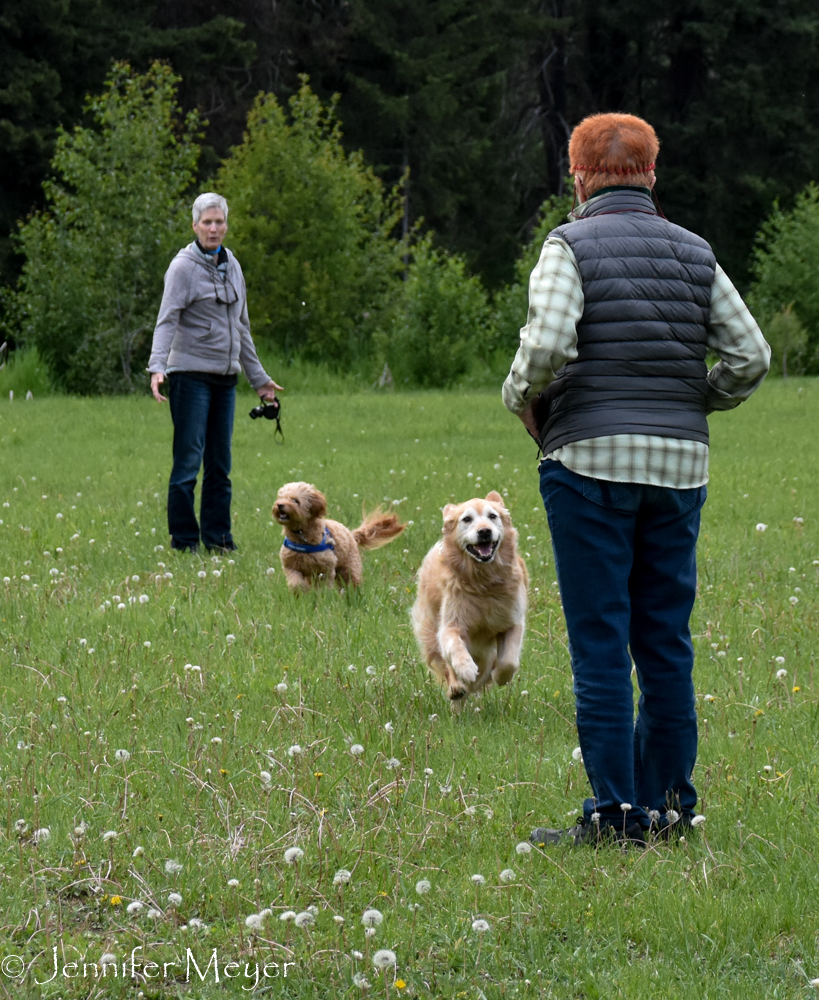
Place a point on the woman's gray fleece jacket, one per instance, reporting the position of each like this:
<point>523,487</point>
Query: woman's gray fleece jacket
<point>196,333</point>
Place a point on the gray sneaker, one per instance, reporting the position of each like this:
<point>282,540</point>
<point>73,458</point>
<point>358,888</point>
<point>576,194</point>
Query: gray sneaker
<point>590,833</point>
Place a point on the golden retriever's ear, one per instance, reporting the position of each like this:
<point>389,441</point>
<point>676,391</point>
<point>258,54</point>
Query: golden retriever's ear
<point>318,503</point>
<point>449,519</point>
<point>494,497</point>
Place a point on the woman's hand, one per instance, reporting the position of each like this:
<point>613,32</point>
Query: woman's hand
<point>156,378</point>
<point>267,392</point>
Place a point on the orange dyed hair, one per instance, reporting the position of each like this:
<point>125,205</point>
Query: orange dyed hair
<point>610,150</point>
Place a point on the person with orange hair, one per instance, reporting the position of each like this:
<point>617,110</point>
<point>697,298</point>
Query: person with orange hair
<point>611,380</point>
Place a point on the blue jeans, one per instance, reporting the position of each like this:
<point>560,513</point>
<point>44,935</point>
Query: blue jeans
<point>202,416</point>
<point>625,555</point>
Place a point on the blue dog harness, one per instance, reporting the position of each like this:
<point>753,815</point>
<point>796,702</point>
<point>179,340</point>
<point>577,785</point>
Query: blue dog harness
<point>326,543</point>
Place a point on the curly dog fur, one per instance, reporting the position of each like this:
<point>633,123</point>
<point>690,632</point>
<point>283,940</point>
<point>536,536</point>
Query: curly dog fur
<point>301,511</point>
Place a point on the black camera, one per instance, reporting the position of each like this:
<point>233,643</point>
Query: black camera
<point>270,411</point>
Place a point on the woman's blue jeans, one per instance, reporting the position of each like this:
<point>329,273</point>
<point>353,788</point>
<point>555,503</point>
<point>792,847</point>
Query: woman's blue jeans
<point>625,555</point>
<point>202,416</point>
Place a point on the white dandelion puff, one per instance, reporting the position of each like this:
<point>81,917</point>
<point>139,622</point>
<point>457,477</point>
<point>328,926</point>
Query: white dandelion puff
<point>480,926</point>
<point>174,899</point>
<point>281,688</point>
<point>781,674</point>
<point>122,755</point>
<point>42,835</point>
<point>356,749</point>
<point>337,919</point>
<point>133,908</point>
<point>761,527</point>
<point>371,917</point>
<point>287,916</point>
<point>108,959</point>
<point>697,820</point>
<point>110,835</point>
<point>384,959</point>
<point>233,883</point>
<point>143,598</point>
<point>304,919</point>
<point>423,887</point>
<point>477,879</point>
<point>625,806</point>
<point>672,816</point>
<point>523,847</point>
<point>577,754</point>
<point>254,922</point>
<point>172,867</point>
<point>389,728</point>
<point>294,751</point>
<point>507,875</point>
<point>293,854</point>
<point>342,877</point>
<point>360,980</point>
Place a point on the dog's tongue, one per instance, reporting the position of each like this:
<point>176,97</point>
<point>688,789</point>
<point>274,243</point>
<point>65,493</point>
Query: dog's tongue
<point>484,548</point>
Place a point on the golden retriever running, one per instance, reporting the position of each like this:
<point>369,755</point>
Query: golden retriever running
<point>470,611</point>
<point>316,549</point>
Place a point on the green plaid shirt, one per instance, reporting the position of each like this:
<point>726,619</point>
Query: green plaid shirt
<point>549,340</point>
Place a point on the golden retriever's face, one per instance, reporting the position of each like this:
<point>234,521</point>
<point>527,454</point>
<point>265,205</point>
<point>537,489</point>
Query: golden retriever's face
<point>477,526</point>
<point>297,504</point>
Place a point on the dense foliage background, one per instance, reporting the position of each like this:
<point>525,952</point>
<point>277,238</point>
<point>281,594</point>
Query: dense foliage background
<point>462,112</point>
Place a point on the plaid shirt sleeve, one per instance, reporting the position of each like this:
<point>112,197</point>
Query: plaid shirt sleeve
<point>549,338</point>
<point>733,334</point>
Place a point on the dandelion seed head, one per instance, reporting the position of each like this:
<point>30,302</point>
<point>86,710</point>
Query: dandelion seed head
<point>672,816</point>
<point>304,919</point>
<point>356,749</point>
<point>42,835</point>
<point>174,899</point>
<point>384,959</point>
<point>287,915</point>
<point>507,875</point>
<point>697,820</point>
<point>423,886</point>
<point>172,867</point>
<point>342,877</point>
<point>477,879</point>
<point>110,835</point>
<point>293,854</point>
<point>122,755</point>
<point>389,728</point>
<point>577,754</point>
<point>254,922</point>
<point>135,907</point>
<point>371,917</point>
<point>294,751</point>
<point>480,926</point>
<point>523,847</point>
<point>625,806</point>
<point>781,673</point>
<point>233,883</point>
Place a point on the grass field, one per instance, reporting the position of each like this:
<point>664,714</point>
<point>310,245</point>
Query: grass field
<point>207,673</point>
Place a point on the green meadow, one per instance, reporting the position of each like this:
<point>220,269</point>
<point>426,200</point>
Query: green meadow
<point>177,723</point>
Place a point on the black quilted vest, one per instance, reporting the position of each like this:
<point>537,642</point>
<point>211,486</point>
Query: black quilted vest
<point>641,341</point>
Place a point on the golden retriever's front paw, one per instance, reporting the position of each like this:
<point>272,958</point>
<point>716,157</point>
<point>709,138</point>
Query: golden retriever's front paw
<point>456,691</point>
<point>466,672</point>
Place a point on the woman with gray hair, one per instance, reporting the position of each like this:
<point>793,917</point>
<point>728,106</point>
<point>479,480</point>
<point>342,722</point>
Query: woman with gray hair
<point>201,340</point>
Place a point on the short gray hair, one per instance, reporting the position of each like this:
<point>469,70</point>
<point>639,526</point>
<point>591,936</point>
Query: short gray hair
<point>208,200</point>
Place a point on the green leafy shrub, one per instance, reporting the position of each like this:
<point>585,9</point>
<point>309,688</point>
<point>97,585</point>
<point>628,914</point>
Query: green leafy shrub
<point>311,226</point>
<point>786,275</point>
<point>789,342</point>
<point>95,259</point>
<point>442,326</point>
<point>24,372</point>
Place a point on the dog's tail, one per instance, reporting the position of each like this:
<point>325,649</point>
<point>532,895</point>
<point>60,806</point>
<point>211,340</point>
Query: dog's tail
<point>377,529</point>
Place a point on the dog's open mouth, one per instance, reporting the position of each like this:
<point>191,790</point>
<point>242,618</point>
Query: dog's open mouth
<point>482,551</point>
<point>281,515</point>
